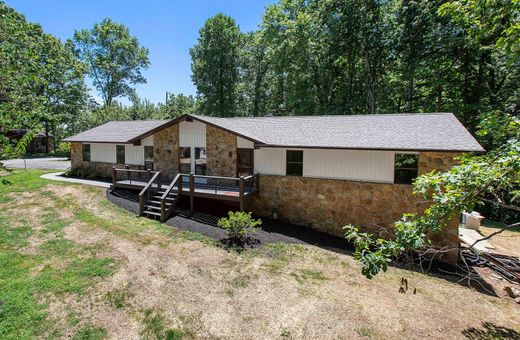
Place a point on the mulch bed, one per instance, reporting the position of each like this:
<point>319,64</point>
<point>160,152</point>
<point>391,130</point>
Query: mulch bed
<point>270,232</point>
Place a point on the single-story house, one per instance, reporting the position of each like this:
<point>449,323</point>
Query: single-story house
<point>319,171</point>
<point>41,143</point>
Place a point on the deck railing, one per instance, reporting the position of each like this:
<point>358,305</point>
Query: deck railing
<point>130,176</point>
<point>220,185</point>
<point>176,187</point>
<point>153,185</point>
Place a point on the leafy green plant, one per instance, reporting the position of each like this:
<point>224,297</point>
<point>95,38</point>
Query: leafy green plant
<point>238,226</point>
<point>63,149</point>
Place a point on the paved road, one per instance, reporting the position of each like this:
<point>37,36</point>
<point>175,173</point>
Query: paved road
<point>39,163</point>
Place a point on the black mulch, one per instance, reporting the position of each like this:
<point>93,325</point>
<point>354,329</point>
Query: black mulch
<point>270,232</point>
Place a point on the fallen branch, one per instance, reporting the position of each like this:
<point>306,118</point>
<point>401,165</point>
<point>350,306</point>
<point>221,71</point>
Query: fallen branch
<point>496,233</point>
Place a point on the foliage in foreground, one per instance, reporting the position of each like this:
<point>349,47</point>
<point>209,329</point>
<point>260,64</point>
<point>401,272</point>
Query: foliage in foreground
<point>460,189</point>
<point>238,225</point>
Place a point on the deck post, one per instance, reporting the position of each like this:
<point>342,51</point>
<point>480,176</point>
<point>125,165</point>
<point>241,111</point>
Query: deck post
<point>192,190</point>
<point>241,193</point>
<point>114,178</point>
<point>141,205</point>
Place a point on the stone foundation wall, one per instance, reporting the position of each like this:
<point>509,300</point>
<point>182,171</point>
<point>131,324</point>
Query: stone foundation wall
<point>327,205</point>
<point>221,152</point>
<point>166,151</point>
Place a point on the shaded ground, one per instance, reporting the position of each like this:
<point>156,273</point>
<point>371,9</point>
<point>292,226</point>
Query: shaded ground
<point>58,163</point>
<point>73,264</point>
<point>270,231</point>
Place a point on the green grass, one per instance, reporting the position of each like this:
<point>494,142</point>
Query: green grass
<point>21,316</point>
<point>24,181</point>
<point>118,297</point>
<point>57,247</point>
<point>308,275</point>
<point>79,274</point>
<point>52,224</point>
<point>364,332</point>
<point>154,327</point>
<point>14,237</point>
<point>90,332</point>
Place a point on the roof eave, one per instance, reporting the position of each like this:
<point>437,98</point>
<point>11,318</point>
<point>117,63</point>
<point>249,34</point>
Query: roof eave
<point>481,150</point>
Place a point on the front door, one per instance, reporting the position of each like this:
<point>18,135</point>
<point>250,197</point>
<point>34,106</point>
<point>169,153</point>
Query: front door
<point>245,162</point>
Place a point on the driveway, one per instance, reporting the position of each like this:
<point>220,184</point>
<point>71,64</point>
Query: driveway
<point>58,163</point>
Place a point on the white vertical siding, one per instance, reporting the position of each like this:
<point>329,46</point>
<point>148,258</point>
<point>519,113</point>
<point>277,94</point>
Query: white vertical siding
<point>100,152</point>
<point>192,134</point>
<point>134,154</point>
<point>270,161</point>
<point>359,165</point>
<point>244,143</point>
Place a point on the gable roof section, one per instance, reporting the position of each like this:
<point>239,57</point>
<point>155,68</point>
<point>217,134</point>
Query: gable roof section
<point>405,132</point>
<point>119,131</point>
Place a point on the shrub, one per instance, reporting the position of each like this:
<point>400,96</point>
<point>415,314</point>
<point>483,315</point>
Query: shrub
<point>63,149</point>
<point>238,226</point>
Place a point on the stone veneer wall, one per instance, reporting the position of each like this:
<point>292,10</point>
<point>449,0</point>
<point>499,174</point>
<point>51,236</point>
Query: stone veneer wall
<point>221,152</point>
<point>327,204</point>
<point>166,151</point>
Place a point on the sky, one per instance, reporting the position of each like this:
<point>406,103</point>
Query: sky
<point>167,28</point>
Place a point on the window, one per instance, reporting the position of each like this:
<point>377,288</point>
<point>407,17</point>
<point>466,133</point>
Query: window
<point>294,163</point>
<point>406,168</point>
<point>148,153</point>
<point>185,160</point>
<point>200,161</point>
<point>120,154</point>
<point>86,152</point>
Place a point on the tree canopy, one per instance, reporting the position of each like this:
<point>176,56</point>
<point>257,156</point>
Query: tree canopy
<point>113,57</point>
<point>41,82</point>
<point>215,65</point>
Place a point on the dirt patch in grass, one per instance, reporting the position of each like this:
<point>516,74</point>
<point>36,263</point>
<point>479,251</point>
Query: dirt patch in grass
<point>119,276</point>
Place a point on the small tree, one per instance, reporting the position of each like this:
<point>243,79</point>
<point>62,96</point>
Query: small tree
<point>238,225</point>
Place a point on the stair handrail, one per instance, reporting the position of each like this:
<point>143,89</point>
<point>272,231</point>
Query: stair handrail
<point>166,212</point>
<point>145,191</point>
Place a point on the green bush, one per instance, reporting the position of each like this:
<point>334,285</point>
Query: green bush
<point>238,225</point>
<point>63,149</point>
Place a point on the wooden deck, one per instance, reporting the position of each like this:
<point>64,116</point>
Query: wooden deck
<point>200,189</point>
<point>150,183</point>
<point>158,197</point>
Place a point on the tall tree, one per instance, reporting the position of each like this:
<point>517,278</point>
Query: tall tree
<point>114,58</point>
<point>215,65</point>
<point>41,83</point>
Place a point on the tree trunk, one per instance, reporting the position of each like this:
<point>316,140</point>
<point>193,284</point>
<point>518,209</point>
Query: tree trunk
<point>46,137</point>
<point>409,95</point>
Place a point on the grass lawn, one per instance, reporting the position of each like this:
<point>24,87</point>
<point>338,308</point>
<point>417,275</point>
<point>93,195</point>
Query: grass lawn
<point>72,265</point>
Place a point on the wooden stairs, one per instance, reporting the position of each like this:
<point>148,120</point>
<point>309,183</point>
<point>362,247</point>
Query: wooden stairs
<point>156,201</point>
